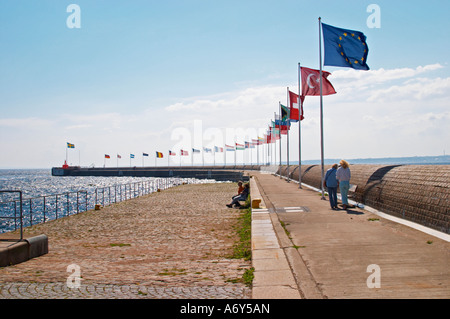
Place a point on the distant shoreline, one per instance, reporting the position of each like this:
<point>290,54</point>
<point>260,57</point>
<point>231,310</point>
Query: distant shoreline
<point>412,160</point>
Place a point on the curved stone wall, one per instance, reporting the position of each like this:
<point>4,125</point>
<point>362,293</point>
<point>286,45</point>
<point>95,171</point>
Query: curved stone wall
<point>419,193</point>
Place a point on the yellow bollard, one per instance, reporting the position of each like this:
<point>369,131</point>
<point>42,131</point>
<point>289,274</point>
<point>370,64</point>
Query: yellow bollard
<point>256,202</point>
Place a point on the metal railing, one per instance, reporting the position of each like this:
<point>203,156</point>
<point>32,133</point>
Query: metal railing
<point>15,211</point>
<point>36,210</point>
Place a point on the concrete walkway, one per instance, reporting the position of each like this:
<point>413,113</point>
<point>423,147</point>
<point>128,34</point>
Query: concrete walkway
<point>304,249</point>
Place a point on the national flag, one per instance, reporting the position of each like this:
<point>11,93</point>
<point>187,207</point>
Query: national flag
<point>345,48</point>
<point>282,125</point>
<point>261,140</point>
<point>159,155</point>
<point>311,82</point>
<point>195,151</point>
<point>240,147</point>
<point>284,113</point>
<point>294,106</point>
<point>172,153</point>
<point>249,145</point>
<point>207,150</point>
<point>184,153</point>
<point>118,156</point>
<point>144,154</point>
<point>218,149</point>
<point>107,156</point>
<point>275,131</point>
<point>229,148</point>
<point>131,155</point>
<point>69,145</point>
<point>284,130</point>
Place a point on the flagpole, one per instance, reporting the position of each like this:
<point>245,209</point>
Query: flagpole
<point>299,131</point>
<point>235,151</point>
<point>321,109</point>
<point>287,146</point>
<point>257,150</point>
<point>279,103</point>
<point>269,155</point>
<point>275,152</point>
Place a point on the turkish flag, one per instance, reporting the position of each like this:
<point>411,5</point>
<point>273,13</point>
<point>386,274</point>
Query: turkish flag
<point>311,82</point>
<point>293,106</point>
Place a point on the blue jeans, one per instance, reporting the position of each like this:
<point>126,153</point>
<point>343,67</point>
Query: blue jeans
<point>238,198</point>
<point>332,194</point>
<point>344,186</point>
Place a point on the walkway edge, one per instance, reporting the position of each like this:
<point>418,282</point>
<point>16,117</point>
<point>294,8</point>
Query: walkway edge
<point>273,277</point>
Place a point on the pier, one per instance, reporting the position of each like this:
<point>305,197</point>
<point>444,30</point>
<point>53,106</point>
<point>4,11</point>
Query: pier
<point>390,244</point>
<point>218,173</point>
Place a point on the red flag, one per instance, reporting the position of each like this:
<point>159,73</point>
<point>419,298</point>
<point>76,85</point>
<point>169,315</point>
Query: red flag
<point>293,105</point>
<point>184,153</point>
<point>311,82</point>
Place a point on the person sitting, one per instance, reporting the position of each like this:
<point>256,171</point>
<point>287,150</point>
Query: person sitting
<point>240,188</point>
<point>241,197</point>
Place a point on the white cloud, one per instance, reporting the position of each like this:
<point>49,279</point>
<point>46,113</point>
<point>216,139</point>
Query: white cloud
<point>382,75</point>
<point>397,112</point>
<point>25,123</point>
<point>418,89</point>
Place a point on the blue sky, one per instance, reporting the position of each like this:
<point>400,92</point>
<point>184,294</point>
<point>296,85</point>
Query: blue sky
<point>138,75</point>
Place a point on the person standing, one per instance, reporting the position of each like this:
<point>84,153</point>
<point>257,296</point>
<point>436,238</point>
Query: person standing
<point>343,176</point>
<point>331,183</point>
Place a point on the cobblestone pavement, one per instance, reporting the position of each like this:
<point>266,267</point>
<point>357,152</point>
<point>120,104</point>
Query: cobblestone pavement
<point>105,291</point>
<point>171,244</point>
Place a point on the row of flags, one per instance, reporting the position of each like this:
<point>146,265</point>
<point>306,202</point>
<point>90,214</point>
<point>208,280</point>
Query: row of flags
<point>342,48</point>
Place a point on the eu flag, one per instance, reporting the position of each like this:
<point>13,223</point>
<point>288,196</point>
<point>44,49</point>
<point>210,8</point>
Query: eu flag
<point>346,48</point>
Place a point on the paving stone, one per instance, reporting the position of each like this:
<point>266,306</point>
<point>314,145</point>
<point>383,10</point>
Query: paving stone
<point>170,244</point>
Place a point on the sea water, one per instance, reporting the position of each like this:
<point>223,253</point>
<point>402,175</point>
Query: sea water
<point>46,197</point>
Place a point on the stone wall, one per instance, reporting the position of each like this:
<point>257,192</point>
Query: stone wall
<point>419,193</point>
